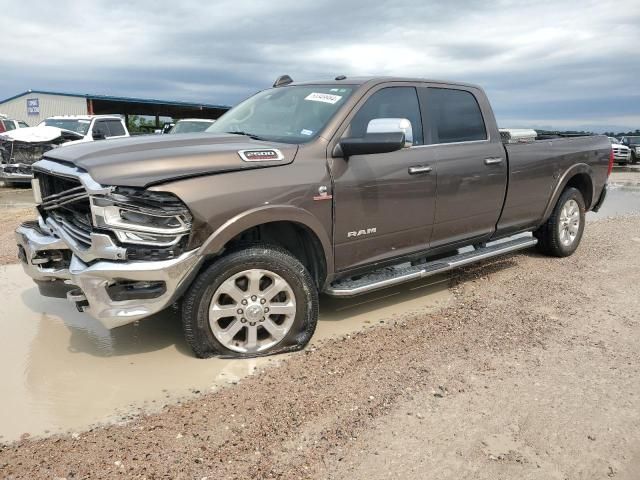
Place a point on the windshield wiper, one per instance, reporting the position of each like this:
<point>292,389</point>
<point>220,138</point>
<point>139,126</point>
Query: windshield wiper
<point>247,134</point>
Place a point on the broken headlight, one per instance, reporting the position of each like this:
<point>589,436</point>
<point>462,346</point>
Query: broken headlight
<point>142,217</point>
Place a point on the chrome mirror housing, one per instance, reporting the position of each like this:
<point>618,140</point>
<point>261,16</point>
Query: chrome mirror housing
<point>392,125</point>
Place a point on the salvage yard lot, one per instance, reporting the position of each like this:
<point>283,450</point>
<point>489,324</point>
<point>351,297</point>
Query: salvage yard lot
<point>530,371</point>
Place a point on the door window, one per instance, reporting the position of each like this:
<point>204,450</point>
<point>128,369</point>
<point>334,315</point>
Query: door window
<point>454,116</point>
<point>390,102</point>
<point>101,128</point>
<point>115,128</point>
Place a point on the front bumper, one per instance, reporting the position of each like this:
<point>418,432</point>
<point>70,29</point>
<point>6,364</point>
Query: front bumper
<point>50,262</point>
<point>622,157</point>
<point>16,172</point>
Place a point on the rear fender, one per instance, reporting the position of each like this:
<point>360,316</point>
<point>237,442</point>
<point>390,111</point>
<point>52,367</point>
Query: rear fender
<point>564,179</point>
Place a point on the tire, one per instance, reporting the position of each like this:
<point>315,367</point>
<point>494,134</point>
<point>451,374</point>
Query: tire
<point>634,158</point>
<point>559,236</point>
<point>240,284</point>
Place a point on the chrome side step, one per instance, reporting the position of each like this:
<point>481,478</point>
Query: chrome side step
<point>406,272</point>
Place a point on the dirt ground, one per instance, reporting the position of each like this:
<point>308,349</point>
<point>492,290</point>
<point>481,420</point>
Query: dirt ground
<point>530,373</point>
<point>10,219</point>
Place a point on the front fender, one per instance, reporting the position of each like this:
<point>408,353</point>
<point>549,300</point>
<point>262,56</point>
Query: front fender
<point>215,243</point>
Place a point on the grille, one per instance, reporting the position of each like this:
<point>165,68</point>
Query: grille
<point>66,201</point>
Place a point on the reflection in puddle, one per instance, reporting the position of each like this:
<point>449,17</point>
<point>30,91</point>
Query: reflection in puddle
<point>61,370</point>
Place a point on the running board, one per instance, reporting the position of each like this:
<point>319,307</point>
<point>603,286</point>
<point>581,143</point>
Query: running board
<point>406,272</point>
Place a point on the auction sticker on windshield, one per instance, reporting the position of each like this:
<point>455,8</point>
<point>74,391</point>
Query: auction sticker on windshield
<point>323,97</point>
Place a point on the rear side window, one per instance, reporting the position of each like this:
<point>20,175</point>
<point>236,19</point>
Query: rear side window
<point>454,116</point>
<point>101,127</point>
<point>116,128</point>
<point>390,102</point>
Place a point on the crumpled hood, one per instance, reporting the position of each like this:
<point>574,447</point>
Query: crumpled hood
<point>37,134</point>
<point>151,159</point>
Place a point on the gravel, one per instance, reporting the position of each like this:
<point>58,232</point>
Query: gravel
<point>533,356</point>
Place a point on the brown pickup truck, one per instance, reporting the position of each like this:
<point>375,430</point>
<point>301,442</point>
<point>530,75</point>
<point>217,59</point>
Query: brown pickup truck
<point>341,187</point>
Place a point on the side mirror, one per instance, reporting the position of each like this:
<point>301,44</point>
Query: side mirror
<point>392,125</point>
<point>369,144</point>
<point>98,135</point>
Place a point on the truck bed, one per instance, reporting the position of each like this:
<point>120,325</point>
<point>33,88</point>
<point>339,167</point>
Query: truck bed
<point>538,168</point>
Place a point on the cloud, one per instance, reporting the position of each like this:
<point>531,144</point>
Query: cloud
<point>563,63</point>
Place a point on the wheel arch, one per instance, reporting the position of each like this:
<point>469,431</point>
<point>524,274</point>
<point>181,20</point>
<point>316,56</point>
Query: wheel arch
<point>293,228</point>
<point>579,176</point>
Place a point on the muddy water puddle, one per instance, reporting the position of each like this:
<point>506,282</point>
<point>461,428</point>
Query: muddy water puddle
<point>621,200</point>
<point>63,371</point>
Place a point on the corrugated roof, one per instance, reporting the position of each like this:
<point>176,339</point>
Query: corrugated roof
<point>151,101</point>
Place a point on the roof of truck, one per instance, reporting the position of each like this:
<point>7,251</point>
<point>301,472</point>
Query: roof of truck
<point>344,80</point>
<point>82,117</point>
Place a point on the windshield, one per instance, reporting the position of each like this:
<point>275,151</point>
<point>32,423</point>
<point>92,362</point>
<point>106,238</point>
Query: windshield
<point>187,126</point>
<point>614,140</point>
<point>287,114</point>
<point>78,126</point>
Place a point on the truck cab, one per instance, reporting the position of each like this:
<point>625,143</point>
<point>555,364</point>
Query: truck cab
<point>90,127</point>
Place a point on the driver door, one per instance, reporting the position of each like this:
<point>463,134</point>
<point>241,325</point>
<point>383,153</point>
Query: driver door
<point>384,202</point>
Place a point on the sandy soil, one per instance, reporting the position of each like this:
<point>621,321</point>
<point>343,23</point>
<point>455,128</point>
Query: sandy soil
<point>10,218</point>
<point>531,373</point>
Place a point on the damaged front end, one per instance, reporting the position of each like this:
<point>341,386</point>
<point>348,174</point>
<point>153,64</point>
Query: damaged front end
<point>20,150</point>
<point>119,254</point>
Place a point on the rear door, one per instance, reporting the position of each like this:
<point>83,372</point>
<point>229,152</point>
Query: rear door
<point>382,209</point>
<point>471,165</point>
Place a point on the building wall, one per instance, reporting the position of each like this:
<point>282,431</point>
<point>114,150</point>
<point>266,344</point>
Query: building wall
<point>49,105</point>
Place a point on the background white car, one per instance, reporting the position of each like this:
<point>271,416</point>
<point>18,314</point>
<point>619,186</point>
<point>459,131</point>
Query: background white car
<point>621,153</point>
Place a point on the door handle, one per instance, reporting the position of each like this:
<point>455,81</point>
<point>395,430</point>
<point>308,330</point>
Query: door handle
<point>492,160</point>
<point>419,169</point>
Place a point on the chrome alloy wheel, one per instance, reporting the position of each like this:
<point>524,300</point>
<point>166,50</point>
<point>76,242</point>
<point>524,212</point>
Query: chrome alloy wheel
<point>252,311</point>
<point>569,224</point>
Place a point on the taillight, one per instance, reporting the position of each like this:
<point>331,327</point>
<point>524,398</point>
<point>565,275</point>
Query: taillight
<point>610,163</point>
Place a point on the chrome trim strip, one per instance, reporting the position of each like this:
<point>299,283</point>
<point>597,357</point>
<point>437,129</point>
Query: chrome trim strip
<point>55,168</point>
<point>470,142</point>
<point>102,246</point>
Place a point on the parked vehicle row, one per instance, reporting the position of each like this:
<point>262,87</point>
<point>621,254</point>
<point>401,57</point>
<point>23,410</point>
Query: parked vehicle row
<point>191,125</point>
<point>7,124</point>
<point>621,153</point>
<point>633,143</point>
<point>342,187</point>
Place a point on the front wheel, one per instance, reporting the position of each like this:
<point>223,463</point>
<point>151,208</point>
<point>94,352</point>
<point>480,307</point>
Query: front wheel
<point>256,301</point>
<point>560,235</point>
<point>634,158</point>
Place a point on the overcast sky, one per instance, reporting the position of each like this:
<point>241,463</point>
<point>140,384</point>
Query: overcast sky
<point>544,64</point>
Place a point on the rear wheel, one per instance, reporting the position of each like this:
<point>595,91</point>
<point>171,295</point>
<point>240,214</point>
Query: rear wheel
<point>561,233</point>
<point>256,301</point>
